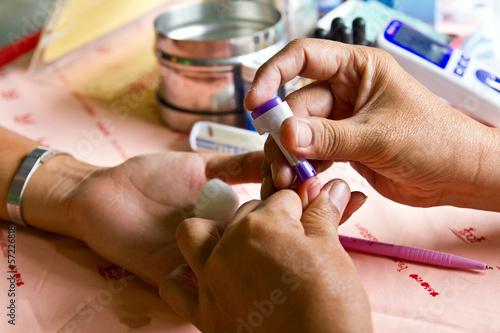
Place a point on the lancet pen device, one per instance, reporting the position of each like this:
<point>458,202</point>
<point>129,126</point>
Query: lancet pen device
<point>268,119</point>
<point>410,253</point>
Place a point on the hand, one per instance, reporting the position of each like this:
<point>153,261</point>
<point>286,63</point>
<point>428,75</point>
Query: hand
<point>364,108</point>
<point>275,268</point>
<point>129,213</point>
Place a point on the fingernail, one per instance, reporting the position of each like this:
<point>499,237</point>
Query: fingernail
<point>355,205</point>
<point>361,201</point>
<point>339,195</point>
<point>265,189</point>
<point>274,172</point>
<point>248,92</point>
<point>313,190</point>
<point>303,134</point>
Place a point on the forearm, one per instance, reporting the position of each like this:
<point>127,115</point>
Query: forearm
<point>45,201</point>
<point>481,189</point>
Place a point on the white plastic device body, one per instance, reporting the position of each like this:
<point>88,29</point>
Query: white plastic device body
<point>268,118</point>
<point>463,81</point>
<point>270,122</point>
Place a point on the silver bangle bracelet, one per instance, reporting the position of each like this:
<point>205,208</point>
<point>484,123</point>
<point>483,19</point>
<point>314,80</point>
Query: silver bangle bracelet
<point>35,158</point>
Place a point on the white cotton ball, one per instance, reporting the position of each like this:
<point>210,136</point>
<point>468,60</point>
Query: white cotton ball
<point>216,201</point>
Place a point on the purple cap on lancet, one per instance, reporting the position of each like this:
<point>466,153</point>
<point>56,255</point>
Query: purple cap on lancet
<point>304,170</point>
<point>266,107</point>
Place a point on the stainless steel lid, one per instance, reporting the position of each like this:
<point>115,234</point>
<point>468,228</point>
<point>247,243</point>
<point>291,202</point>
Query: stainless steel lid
<point>217,30</point>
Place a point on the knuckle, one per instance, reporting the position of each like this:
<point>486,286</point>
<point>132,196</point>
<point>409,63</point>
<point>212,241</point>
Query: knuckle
<point>258,225</point>
<point>250,204</point>
<point>298,43</point>
<point>326,140</point>
<point>377,55</point>
<point>185,228</point>
<point>251,226</point>
<point>325,212</point>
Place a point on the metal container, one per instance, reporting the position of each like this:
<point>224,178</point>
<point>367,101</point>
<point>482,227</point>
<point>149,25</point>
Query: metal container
<point>200,47</point>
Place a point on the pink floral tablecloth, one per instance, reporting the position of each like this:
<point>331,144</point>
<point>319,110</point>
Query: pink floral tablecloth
<point>63,286</point>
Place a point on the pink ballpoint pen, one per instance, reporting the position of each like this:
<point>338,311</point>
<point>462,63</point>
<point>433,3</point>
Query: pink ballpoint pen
<point>410,253</point>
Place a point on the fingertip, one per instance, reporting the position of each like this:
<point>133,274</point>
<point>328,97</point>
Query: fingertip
<point>261,91</point>
<point>266,189</point>
<point>325,211</point>
<point>339,193</point>
<point>357,200</point>
<point>280,171</point>
<point>283,176</point>
<point>249,100</point>
<point>267,186</point>
<point>274,172</point>
<point>309,190</point>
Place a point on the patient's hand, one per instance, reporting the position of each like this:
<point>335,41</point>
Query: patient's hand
<point>129,213</point>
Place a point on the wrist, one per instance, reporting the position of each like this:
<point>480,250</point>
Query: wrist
<point>46,199</point>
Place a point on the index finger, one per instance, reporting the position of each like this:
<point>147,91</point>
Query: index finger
<point>310,58</point>
<point>234,169</point>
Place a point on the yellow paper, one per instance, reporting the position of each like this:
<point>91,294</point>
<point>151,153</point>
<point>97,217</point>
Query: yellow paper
<point>83,21</point>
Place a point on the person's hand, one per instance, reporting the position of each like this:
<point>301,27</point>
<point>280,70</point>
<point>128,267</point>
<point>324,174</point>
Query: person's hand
<point>410,146</point>
<point>129,213</point>
<point>275,268</point>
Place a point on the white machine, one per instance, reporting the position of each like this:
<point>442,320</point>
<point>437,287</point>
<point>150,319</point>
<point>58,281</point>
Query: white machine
<point>464,82</point>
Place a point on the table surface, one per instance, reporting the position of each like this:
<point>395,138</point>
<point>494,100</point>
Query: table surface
<point>66,287</point>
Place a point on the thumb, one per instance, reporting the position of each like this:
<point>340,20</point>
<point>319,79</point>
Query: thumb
<point>324,139</point>
<point>325,212</point>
